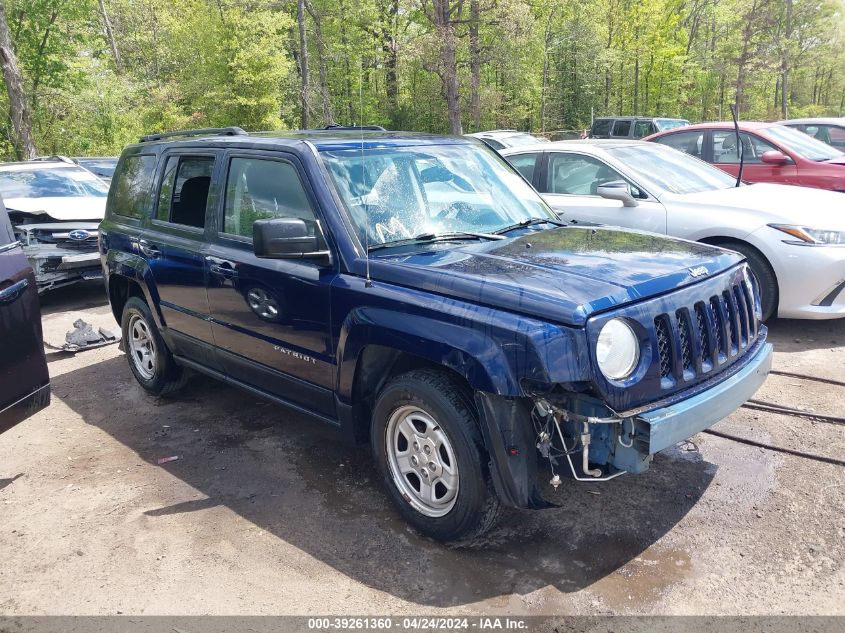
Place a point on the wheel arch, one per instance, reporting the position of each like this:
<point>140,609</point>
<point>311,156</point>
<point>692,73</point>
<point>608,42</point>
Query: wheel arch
<point>727,242</point>
<point>127,276</point>
<point>120,288</point>
<point>378,364</point>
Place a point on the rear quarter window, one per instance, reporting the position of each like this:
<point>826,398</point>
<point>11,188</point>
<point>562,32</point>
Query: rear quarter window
<point>131,186</point>
<point>601,127</point>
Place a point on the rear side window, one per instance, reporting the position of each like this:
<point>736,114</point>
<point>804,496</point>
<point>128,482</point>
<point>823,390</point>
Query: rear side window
<point>601,127</point>
<point>261,189</point>
<point>183,195</point>
<point>690,142</point>
<point>622,128</point>
<point>132,185</point>
<point>643,128</point>
<point>524,164</point>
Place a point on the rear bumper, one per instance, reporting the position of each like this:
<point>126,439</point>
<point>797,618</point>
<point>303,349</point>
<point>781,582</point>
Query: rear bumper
<point>666,426</point>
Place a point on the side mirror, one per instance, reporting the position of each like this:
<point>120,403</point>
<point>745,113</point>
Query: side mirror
<point>286,238</point>
<point>617,190</point>
<point>775,157</point>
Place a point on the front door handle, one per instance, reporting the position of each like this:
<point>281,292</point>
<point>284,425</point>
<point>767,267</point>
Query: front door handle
<point>148,249</point>
<point>13,292</point>
<point>225,270</point>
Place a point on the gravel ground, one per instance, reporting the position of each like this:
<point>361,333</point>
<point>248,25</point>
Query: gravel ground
<point>263,514</point>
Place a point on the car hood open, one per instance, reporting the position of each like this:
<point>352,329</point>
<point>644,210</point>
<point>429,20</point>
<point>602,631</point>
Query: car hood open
<point>785,204</point>
<point>61,209</point>
<point>561,275</point>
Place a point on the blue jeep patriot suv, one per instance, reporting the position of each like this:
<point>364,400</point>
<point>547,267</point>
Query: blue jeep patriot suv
<point>414,291</point>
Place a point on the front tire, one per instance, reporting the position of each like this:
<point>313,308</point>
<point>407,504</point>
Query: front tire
<point>763,272</point>
<point>149,359</point>
<point>429,451</point>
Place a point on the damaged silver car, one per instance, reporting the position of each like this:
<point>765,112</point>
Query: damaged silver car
<point>55,207</point>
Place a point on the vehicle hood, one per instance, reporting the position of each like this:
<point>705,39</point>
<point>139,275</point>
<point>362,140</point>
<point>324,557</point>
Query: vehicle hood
<point>61,209</point>
<point>785,204</point>
<point>839,161</point>
<point>561,275</point>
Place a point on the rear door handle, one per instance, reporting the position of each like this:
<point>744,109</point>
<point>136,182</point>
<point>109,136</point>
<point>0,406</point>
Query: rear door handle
<point>13,292</point>
<point>150,250</point>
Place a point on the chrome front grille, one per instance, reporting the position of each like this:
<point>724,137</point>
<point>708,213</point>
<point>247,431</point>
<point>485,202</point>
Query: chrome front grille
<point>724,326</point>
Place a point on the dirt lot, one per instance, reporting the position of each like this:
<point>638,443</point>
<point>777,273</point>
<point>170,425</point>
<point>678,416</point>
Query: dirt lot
<point>263,515</point>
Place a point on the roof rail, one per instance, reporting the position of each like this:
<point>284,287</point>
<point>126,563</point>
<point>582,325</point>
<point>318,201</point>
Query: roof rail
<point>55,158</point>
<point>369,128</point>
<point>206,131</point>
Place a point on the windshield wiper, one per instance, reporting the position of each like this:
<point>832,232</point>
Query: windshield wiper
<point>427,238</point>
<point>529,222</point>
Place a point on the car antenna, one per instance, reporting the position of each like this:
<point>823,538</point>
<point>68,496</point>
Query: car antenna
<point>740,148</point>
<point>369,282</point>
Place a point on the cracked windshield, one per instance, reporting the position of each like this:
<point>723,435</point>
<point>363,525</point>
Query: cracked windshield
<point>399,194</point>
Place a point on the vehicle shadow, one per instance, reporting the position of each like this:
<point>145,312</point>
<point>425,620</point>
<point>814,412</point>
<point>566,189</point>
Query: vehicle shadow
<point>306,487</point>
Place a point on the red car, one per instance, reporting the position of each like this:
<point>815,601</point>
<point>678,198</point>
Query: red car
<point>771,153</point>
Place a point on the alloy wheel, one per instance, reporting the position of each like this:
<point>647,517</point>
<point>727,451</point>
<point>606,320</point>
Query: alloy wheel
<point>422,461</point>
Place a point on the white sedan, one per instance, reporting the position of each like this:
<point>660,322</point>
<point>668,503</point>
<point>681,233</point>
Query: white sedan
<point>792,237</point>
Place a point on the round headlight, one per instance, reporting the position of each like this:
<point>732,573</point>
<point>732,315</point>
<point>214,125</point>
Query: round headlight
<point>617,350</point>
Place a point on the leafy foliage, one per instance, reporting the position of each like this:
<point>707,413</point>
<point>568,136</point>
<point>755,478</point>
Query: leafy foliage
<point>98,74</point>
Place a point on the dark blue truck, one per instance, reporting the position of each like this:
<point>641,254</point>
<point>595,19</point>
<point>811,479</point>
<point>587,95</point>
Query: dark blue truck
<point>414,292</point>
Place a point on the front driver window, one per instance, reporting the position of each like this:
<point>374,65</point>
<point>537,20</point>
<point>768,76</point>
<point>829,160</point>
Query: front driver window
<point>578,175</point>
<point>259,189</point>
<point>725,148</point>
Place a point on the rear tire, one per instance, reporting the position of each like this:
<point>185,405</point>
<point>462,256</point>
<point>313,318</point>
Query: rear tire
<point>763,272</point>
<point>149,359</point>
<point>428,448</point>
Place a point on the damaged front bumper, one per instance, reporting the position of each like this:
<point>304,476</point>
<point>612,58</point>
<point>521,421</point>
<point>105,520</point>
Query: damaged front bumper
<point>60,253</point>
<point>55,267</point>
<point>630,445</point>
<point>595,446</point>
<point>666,426</point>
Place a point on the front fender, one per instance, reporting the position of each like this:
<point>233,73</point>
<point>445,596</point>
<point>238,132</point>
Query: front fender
<point>470,353</point>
